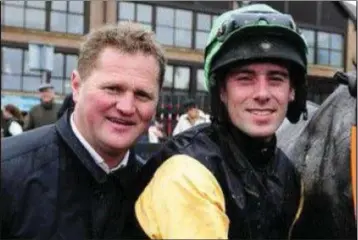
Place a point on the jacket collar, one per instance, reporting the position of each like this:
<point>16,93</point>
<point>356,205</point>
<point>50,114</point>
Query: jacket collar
<point>258,151</point>
<point>250,158</point>
<point>64,129</point>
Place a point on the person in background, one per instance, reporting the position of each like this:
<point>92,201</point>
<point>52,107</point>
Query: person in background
<point>70,180</point>
<point>3,122</point>
<point>67,104</point>
<point>193,116</point>
<point>13,120</point>
<point>44,113</point>
<point>24,114</point>
<point>156,132</point>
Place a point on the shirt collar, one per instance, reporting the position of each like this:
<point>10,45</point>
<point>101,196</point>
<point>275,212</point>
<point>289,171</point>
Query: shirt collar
<point>97,158</point>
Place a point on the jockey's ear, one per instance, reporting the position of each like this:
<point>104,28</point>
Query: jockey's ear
<point>292,95</point>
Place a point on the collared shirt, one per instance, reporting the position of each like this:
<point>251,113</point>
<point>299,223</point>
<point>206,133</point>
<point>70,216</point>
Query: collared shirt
<point>97,158</point>
<point>184,123</point>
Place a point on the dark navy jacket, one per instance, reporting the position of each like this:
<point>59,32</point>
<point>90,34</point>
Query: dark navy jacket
<point>51,188</point>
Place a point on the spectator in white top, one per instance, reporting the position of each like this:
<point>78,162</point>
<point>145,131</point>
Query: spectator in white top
<point>193,116</point>
<point>13,121</point>
<point>156,132</point>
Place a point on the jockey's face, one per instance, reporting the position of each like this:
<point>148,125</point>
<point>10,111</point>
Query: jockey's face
<point>256,97</point>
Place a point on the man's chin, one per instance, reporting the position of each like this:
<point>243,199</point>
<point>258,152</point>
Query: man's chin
<point>122,144</point>
<point>116,143</point>
<point>260,132</point>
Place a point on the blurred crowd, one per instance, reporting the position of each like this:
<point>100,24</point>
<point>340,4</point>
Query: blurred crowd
<point>14,121</point>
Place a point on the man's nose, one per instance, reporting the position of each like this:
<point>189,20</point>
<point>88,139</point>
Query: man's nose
<point>126,103</point>
<point>261,90</point>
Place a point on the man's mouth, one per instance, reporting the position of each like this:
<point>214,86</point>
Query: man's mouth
<point>261,112</point>
<point>121,121</point>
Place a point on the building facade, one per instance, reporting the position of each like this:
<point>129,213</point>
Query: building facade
<point>326,27</point>
<point>182,27</point>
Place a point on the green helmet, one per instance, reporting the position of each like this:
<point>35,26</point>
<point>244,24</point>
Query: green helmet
<point>253,33</point>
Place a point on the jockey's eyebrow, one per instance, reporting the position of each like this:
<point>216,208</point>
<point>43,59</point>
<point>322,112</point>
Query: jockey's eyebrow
<point>283,73</point>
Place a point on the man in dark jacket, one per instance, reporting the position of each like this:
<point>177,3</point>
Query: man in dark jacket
<point>227,179</point>
<point>44,113</point>
<point>70,180</point>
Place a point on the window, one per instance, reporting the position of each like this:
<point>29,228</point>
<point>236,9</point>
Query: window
<point>26,14</point>
<point>202,96</point>
<point>11,68</point>
<point>204,23</point>
<point>67,16</point>
<point>65,64</point>
<point>200,80</point>
<point>181,78</point>
<point>324,48</point>
<point>330,49</point>
<point>177,77</point>
<point>172,29</point>
<point>309,35</point>
<point>168,78</point>
<point>141,13</point>
<point>31,80</point>
<point>317,97</point>
<point>70,65</point>
<point>17,76</point>
<point>64,16</point>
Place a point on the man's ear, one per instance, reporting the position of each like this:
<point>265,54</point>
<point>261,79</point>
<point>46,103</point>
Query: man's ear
<point>223,95</point>
<point>75,84</point>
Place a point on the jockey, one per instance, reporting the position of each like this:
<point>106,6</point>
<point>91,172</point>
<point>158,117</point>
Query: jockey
<point>227,179</point>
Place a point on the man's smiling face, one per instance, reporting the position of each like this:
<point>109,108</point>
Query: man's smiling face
<point>256,97</point>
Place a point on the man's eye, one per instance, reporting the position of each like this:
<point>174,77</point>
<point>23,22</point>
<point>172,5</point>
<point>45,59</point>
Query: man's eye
<point>111,89</point>
<point>143,96</point>
<point>243,77</point>
<point>277,78</point>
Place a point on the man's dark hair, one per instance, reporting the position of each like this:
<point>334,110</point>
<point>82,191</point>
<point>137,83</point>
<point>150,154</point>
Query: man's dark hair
<point>190,103</point>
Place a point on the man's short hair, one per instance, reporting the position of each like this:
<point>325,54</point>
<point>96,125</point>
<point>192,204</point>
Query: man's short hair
<point>128,37</point>
<point>188,104</point>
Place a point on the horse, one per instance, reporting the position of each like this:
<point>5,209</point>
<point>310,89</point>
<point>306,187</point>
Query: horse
<point>320,150</point>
